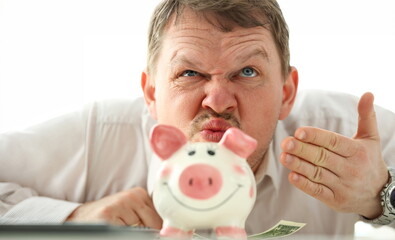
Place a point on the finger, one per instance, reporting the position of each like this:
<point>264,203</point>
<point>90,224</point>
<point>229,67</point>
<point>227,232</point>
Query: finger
<point>331,141</point>
<point>120,221</point>
<point>138,224</point>
<point>316,155</point>
<point>367,123</point>
<point>130,217</point>
<point>314,173</point>
<point>116,221</point>
<point>316,190</point>
<point>149,217</point>
<point>144,208</point>
<point>148,201</point>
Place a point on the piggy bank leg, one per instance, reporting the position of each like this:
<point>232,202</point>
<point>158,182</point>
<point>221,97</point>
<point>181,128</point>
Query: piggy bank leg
<point>230,233</point>
<point>169,232</point>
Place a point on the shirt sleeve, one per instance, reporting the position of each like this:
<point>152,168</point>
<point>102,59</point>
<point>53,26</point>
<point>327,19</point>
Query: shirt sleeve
<point>386,126</point>
<point>43,170</point>
<point>22,205</point>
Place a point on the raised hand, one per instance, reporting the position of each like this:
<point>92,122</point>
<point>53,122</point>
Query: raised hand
<point>131,207</point>
<point>347,174</point>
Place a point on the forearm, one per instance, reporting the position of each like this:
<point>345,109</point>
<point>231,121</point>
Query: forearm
<point>22,205</point>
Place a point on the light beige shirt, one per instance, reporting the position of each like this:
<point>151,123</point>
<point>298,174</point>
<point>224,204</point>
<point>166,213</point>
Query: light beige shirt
<point>46,171</point>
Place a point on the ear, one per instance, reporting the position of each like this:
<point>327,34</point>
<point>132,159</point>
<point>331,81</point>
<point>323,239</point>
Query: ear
<point>166,140</point>
<point>238,142</point>
<point>149,94</point>
<point>290,88</point>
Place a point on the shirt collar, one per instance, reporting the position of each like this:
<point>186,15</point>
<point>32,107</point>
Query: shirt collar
<point>269,168</point>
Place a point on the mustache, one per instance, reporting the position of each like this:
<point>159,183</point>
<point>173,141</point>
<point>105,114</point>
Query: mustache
<point>197,122</point>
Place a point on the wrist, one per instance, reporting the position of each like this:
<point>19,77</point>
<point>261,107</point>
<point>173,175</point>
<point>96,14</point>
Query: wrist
<point>375,208</point>
<point>387,197</point>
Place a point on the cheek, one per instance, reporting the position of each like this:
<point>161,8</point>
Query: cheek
<point>252,192</point>
<point>165,172</point>
<point>178,108</point>
<point>261,105</point>
<point>239,170</point>
<point>259,120</point>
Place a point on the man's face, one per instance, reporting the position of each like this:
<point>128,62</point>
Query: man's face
<point>207,80</point>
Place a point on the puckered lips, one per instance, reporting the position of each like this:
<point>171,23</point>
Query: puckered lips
<point>214,129</point>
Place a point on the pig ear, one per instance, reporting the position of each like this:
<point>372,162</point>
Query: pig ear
<point>166,140</point>
<point>238,142</point>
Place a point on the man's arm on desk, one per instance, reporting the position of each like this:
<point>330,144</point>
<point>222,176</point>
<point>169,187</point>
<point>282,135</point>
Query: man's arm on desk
<point>42,161</point>
<point>133,207</point>
<point>22,205</point>
<point>84,157</point>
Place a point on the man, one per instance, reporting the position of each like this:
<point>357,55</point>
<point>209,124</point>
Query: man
<point>211,65</point>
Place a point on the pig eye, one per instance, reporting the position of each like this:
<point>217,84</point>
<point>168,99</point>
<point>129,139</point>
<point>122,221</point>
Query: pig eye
<point>211,152</point>
<point>191,153</point>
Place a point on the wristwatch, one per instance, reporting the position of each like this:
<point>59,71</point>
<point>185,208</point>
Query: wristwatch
<point>387,201</point>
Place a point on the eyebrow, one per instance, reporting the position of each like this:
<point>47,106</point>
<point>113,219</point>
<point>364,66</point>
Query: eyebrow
<point>257,52</point>
<point>195,64</point>
<point>181,59</point>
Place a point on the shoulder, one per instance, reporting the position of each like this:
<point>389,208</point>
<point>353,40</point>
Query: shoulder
<point>333,111</point>
<point>319,103</point>
<point>119,116</point>
<point>117,111</point>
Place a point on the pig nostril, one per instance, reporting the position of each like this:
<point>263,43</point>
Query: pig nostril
<point>191,182</point>
<point>210,181</point>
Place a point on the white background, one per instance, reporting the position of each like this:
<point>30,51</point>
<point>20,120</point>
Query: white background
<point>56,55</point>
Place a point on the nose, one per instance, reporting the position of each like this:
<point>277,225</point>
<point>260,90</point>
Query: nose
<point>220,96</point>
<point>200,181</point>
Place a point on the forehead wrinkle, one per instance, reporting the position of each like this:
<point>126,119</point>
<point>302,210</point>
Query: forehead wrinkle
<point>192,36</point>
<point>196,43</point>
<point>247,34</point>
<point>257,52</point>
<point>177,59</point>
<point>243,53</point>
<point>241,42</point>
<point>191,33</point>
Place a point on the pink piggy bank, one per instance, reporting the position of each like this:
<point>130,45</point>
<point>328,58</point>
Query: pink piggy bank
<point>203,185</point>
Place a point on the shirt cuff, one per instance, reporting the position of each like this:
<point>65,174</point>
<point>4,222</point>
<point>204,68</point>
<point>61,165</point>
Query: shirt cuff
<point>39,210</point>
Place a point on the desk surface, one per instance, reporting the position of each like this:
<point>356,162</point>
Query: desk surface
<point>75,231</point>
<point>102,231</point>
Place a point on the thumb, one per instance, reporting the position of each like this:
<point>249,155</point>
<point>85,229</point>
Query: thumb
<point>367,123</point>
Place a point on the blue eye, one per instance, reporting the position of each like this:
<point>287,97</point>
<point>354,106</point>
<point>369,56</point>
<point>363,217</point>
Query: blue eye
<point>248,72</point>
<point>189,73</point>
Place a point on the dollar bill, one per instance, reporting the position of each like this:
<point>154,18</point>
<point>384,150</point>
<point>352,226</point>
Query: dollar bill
<point>281,229</point>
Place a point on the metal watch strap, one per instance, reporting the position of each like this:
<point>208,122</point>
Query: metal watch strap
<point>388,215</point>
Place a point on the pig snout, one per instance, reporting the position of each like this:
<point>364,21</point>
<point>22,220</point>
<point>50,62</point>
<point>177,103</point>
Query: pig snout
<point>200,181</point>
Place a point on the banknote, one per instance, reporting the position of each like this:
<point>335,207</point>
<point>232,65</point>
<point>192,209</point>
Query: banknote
<point>281,229</point>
